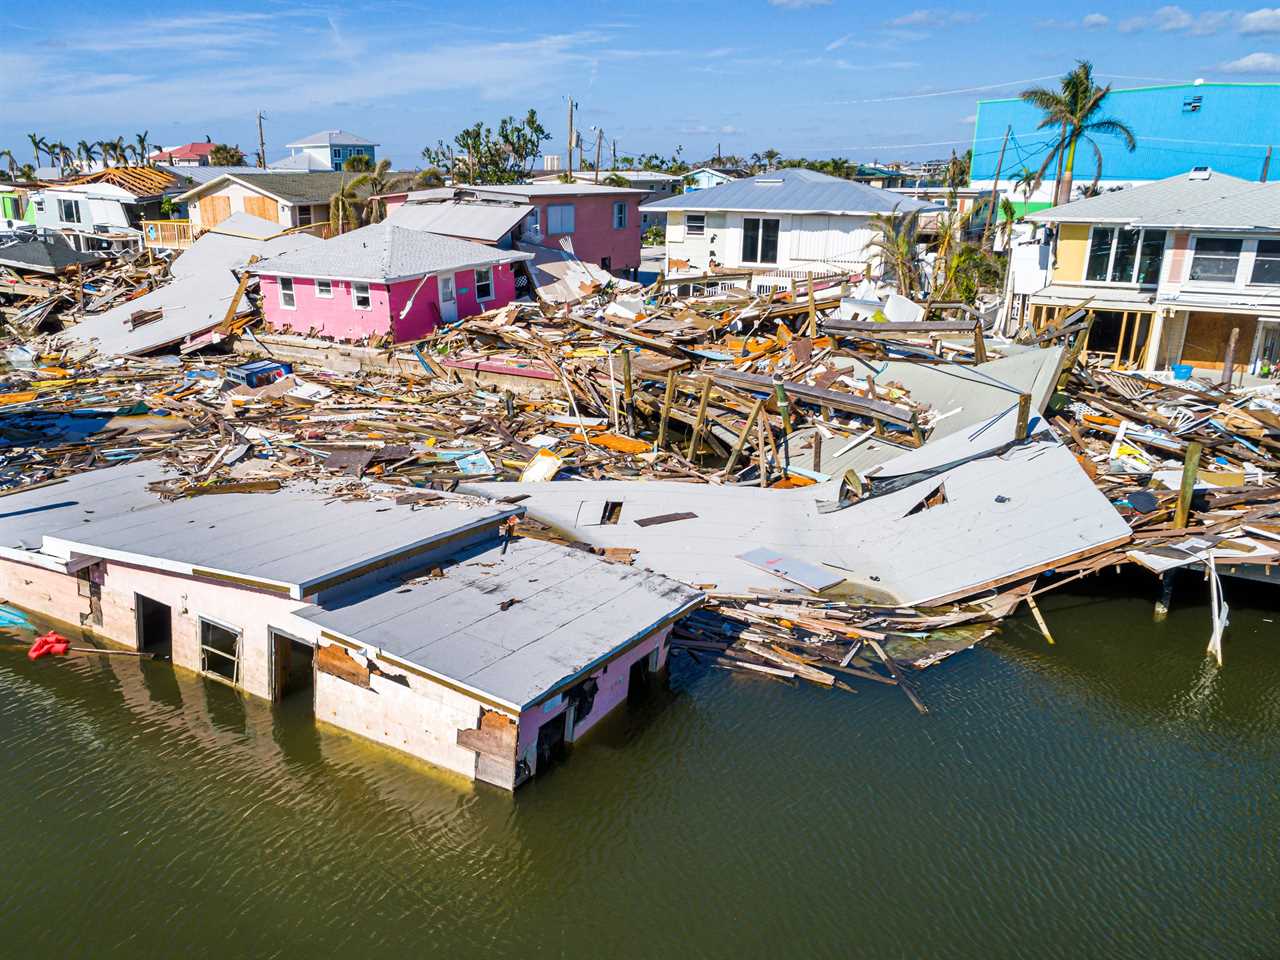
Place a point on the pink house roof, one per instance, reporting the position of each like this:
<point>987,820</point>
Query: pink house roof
<point>188,151</point>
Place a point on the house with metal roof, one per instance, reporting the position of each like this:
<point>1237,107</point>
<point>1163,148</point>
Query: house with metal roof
<point>785,220</point>
<point>326,150</point>
<point>385,281</point>
<point>1182,271</point>
<point>411,618</point>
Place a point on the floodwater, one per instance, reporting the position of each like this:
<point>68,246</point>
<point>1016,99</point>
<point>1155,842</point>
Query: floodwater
<point>1112,795</point>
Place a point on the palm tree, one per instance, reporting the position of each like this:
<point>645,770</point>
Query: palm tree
<point>357,164</point>
<point>343,212</point>
<point>1010,214</point>
<point>27,172</point>
<point>117,150</point>
<point>142,153</point>
<point>428,178</point>
<point>377,182</point>
<point>895,242</point>
<point>613,180</point>
<point>11,162</point>
<point>37,146</point>
<point>86,152</point>
<point>57,153</point>
<point>771,158</point>
<point>1074,111</point>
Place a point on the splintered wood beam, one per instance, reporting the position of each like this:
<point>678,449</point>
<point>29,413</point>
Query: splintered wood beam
<point>875,409</point>
<point>742,437</point>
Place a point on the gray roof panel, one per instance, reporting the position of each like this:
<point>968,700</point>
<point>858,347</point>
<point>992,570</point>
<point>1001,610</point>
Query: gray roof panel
<point>385,253</point>
<point>1218,201</point>
<point>794,190</point>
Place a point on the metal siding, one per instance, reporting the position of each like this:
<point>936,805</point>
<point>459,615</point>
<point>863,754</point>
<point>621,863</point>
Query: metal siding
<point>1229,132</point>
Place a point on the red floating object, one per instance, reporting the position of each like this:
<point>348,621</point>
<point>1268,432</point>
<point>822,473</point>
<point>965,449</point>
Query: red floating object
<point>49,644</point>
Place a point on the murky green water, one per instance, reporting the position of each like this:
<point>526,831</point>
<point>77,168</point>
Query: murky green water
<point>1109,796</point>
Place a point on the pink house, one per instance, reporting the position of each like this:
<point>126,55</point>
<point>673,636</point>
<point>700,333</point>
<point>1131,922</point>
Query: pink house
<point>384,279</point>
<point>603,223</point>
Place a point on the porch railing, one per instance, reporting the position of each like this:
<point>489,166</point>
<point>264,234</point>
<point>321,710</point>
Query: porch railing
<point>167,234</point>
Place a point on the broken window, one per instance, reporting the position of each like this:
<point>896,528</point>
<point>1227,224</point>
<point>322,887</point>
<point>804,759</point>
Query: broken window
<point>286,293</point>
<point>360,298</point>
<point>612,512</point>
<point>220,651</point>
<point>1216,258</point>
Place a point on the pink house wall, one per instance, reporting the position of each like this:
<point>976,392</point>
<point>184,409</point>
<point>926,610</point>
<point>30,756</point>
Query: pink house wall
<point>1178,259</point>
<point>334,317</point>
<point>612,681</point>
<point>594,237</point>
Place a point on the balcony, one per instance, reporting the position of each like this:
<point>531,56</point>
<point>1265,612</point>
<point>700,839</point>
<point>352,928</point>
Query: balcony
<point>166,234</point>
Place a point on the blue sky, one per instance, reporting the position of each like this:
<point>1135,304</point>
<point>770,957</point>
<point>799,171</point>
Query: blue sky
<point>807,77</point>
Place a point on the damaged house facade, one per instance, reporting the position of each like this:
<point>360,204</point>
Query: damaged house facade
<point>785,220</point>
<point>104,211</point>
<point>385,280</point>
<point>1171,271</point>
<point>428,633</point>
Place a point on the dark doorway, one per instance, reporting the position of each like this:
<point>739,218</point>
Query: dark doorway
<point>638,681</point>
<point>154,625</point>
<point>291,663</point>
<point>550,743</point>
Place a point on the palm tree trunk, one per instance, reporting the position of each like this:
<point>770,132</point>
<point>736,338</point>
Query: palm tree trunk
<point>1067,168</point>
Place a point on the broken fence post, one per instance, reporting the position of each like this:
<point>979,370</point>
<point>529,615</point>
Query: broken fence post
<point>1024,417</point>
<point>701,419</point>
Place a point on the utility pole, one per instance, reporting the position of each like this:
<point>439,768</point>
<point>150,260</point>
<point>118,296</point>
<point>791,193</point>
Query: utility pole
<point>599,144</point>
<point>1266,165</point>
<point>995,189</point>
<point>262,144</point>
<point>570,151</point>
<point>614,165</point>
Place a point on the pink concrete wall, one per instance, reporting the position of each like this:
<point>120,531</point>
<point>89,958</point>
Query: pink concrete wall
<point>333,317</point>
<point>612,682</point>
<point>594,237</point>
<point>423,316</point>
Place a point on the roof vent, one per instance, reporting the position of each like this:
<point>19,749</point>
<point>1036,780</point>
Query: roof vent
<point>1199,173</point>
<point>769,180</point>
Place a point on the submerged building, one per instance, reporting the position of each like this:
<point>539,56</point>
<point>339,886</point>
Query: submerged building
<point>417,621</point>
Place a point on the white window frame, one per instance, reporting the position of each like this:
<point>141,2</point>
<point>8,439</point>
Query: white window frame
<point>355,296</point>
<point>619,214</point>
<point>1111,257</point>
<point>286,290</point>
<point>556,217</point>
<point>487,272</point>
<point>1251,247</point>
<point>690,230</point>
<point>237,660</point>
<point>304,215</point>
<point>1244,262</point>
<point>74,205</point>
<point>325,292</point>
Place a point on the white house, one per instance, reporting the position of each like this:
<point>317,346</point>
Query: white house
<point>791,219</point>
<point>104,211</point>
<point>704,178</point>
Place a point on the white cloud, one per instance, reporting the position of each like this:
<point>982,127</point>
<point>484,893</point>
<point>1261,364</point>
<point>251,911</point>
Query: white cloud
<point>1265,20</point>
<point>970,119</point>
<point>935,18</point>
<point>1175,19</point>
<point>799,4</point>
<point>839,42</point>
<point>1095,21</point>
<point>1253,63</point>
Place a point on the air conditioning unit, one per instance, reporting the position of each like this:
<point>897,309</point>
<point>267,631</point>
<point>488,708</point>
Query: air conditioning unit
<point>1199,173</point>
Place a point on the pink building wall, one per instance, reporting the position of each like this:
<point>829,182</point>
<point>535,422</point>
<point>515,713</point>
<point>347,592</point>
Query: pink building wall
<point>612,681</point>
<point>594,237</point>
<point>1178,259</point>
<point>337,316</point>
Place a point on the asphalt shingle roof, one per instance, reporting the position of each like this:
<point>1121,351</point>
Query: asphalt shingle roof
<point>385,253</point>
<point>793,190</point>
<point>1220,202</point>
<point>302,187</point>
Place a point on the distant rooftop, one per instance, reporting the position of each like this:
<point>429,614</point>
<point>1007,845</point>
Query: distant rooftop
<point>332,138</point>
<point>793,190</point>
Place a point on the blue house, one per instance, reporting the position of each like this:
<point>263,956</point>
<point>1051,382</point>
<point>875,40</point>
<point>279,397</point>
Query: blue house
<point>1229,127</point>
<point>326,150</point>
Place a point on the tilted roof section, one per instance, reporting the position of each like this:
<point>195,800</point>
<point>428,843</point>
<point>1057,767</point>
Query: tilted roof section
<point>332,138</point>
<point>1217,201</point>
<point>385,253</point>
<point>486,222</point>
<point>794,190</point>
<point>140,181</point>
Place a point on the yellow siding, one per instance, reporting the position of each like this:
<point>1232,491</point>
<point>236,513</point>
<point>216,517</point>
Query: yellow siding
<point>1073,247</point>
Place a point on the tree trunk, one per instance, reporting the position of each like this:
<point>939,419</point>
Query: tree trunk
<point>1067,168</point>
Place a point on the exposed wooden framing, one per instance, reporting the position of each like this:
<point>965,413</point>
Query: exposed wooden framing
<point>701,419</point>
<point>742,437</point>
<point>667,396</point>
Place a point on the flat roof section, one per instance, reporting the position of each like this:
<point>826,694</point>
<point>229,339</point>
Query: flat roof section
<point>513,625</point>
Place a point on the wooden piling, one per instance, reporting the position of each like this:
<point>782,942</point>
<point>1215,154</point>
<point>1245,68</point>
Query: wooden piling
<point>701,419</point>
<point>1190,466</point>
<point>666,408</point>
<point>628,392</point>
<point>1024,417</point>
